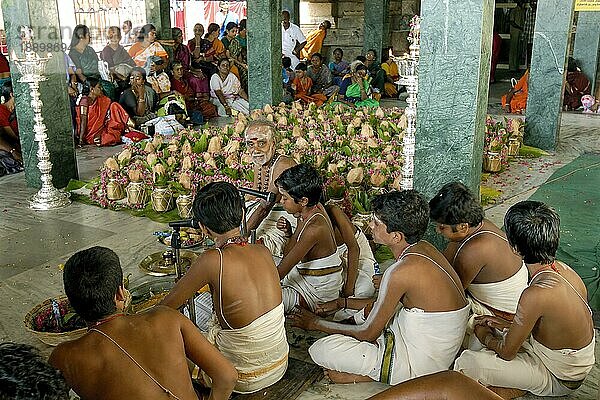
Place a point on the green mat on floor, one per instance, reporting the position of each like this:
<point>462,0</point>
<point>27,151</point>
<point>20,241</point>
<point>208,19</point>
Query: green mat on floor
<point>574,192</point>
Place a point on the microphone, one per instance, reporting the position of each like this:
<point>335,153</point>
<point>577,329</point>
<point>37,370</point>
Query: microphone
<point>269,197</point>
<point>185,223</point>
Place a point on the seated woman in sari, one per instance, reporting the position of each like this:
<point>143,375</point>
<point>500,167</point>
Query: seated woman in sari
<point>100,121</point>
<point>213,48</point>
<point>148,46</point>
<point>338,67</point>
<point>195,44</point>
<point>117,59</point>
<point>9,130</point>
<point>356,87</point>
<point>515,101</point>
<point>375,71</point>
<point>226,91</point>
<point>140,101</point>
<point>196,99</point>
<point>391,75</point>
<point>181,55</point>
<point>85,59</point>
<point>302,86</point>
<point>237,53</point>
<point>231,31</point>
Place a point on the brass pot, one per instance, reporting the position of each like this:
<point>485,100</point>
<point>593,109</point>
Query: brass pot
<point>336,202</point>
<point>514,145</point>
<point>377,190</point>
<point>362,220</point>
<point>136,193</point>
<point>162,199</point>
<point>114,190</point>
<point>184,205</point>
<point>492,162</point>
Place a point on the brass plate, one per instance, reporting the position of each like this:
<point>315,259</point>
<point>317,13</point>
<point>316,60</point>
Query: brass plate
<point>146,295</point>
<point>154,263</point>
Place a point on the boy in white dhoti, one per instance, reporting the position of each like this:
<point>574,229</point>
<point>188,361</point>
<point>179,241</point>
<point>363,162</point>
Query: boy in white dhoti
<point>311,269</point>
<point>248,323</point>
<point>492,274</point>
<point>419,318</point>
<point>261,144</point>
<point>548,349</point>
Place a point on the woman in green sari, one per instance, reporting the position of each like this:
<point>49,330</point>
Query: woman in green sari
<point>356,88</point>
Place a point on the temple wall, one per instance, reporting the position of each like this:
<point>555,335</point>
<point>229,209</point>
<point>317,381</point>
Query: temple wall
<point>347,18</point>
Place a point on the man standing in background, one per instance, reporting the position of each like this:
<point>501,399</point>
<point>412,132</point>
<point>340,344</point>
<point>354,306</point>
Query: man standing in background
<point>292,39</point>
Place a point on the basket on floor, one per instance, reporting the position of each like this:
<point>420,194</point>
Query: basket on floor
<point>50,338</point>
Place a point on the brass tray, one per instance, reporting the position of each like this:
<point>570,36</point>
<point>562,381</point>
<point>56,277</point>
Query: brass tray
<point>155,264</point>
<point>149,293</point>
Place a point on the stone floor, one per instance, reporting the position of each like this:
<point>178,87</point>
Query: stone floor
<point>33,244</point>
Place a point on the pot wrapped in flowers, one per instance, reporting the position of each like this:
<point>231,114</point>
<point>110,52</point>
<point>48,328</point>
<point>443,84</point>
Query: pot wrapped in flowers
<point>161,194</point>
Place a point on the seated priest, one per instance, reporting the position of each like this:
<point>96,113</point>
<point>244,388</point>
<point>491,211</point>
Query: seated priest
<point>548,349</point>
<point>261,144</point>
<point>100,121</point>
<point>493,276</point>
<point>149,350</point>
<point>248,320</point>
<point>418,321</point>
<point>515,101</point>
<point>311,270</point>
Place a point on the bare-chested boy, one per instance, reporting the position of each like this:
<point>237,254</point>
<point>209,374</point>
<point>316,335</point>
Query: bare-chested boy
<point>122,356</point>
<point>248,327</point>
<point>492,274</point>
<point>548,349</point>
<point>311,269</point>
<point>446,385</point>
<point>419,318</point>
<point>268,165</point>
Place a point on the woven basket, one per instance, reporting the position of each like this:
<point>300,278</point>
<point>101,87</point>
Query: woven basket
<point>50,338</point>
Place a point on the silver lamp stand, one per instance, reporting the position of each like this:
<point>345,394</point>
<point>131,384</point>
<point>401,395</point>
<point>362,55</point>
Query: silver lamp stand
<point>32,68</point>
<point>408,67</point>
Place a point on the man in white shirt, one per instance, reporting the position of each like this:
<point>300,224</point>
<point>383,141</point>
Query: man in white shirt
<point>292,39</point>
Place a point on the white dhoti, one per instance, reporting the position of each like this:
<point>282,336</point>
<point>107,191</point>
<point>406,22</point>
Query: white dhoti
<point>416,343</point>
<point>363,288</point>
<point>259,351</point>
<point>273,238</point>
<point>536,368</point>
<point>502,296</point>
<point>317,281</point>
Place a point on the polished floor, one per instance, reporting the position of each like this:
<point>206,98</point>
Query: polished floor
<point>34,244</point>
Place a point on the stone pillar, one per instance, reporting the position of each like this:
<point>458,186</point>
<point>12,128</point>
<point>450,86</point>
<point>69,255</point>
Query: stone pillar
<point>42,17</point>
<point>587,44</point>
<point>265,84</point>
<point>158,13</point>
<point>376,26</point>
<point>547,72</point>
<point>293,6</point>
<point>453,93</point>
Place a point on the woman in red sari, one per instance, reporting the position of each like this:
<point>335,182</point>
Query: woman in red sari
<point>100,121</point>
<point>302,86</point>
<point>196,97</point>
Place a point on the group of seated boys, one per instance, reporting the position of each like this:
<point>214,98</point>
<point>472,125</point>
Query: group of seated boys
<point>495,306</point>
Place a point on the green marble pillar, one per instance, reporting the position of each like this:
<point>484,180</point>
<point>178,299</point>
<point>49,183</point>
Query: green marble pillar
<point>547,72</point>
<point>158,13</point>
<point>264,53</point>
<point>42,17</point>
<point>376,25</point>
<point>293,6</point>
<point>586,49</point>
<point>453,93</point>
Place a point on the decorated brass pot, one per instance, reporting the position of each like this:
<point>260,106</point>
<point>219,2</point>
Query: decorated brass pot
<point>136,193</point>
<point>114,190</point>
<point>162,199</point>
<point>492,162</point>
<point>513,147</point>
<point>184,205</point>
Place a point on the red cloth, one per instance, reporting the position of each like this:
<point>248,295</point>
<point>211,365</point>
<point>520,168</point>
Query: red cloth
<point>4,119</point>
<point>105,119</point>
<point>3,64</point>
<point>496,46</point>
<point>303,87</point>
